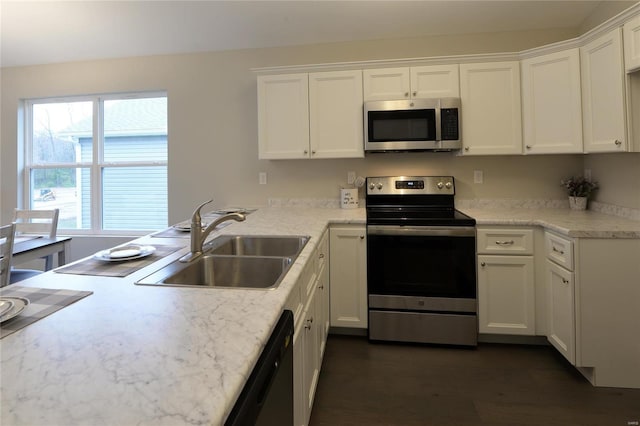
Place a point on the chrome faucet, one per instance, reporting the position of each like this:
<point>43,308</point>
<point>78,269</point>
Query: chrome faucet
<point>199,235</point>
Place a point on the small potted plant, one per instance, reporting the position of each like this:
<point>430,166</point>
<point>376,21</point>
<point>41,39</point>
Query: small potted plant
<point>579,190</point>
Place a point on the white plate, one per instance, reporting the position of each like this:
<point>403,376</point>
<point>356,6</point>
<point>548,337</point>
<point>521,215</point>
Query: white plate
<point>5,306</point>
<point>128,252</point>
<point>19,304</point>
<point>186,226</point>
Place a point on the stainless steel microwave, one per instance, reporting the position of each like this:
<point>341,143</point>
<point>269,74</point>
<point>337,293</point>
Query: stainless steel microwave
<point>412,125</point>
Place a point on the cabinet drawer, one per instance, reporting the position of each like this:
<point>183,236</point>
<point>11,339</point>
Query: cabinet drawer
<point>559,250</point>
<point>505,241</point>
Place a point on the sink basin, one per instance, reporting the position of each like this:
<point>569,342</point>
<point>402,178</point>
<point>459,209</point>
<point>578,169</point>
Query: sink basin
<point>249,245</point>
<point>234,261</point>
<point>223,271</point>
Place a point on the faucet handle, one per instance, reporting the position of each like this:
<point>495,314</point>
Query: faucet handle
<point>196,213</point>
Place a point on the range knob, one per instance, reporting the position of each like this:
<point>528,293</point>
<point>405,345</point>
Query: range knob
<point>448,185</point>
<point>379,185</point>
<point>372,186</point>
<point>440,185</point>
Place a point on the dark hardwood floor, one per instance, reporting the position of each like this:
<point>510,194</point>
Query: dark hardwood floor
<point>391,384</point>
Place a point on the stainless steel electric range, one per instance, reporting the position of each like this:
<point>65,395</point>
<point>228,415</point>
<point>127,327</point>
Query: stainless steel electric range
<point>421,262</point>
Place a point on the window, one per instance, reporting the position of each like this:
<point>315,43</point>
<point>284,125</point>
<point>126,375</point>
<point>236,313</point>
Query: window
<point>101,160</point>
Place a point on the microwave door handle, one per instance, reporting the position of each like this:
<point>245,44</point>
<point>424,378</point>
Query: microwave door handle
<point>438,122</point>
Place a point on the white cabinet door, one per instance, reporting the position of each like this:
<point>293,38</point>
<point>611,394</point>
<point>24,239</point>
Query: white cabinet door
<point>431,81</point>
<point>506,295</point>
<point>322,308</point>
<point>311,365</point>
<point>603,110</point>
<point>551,103</point>
<point>283,116</point>
<point>348,277</point>
<point>335,114</point>
<point>632,44</point>
<point>491,108</point>
<point>435,81</point>
<point>386,84</point>
<point>561,310</point>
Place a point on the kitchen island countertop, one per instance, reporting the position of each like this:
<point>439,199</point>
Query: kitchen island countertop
<point>146,355</point>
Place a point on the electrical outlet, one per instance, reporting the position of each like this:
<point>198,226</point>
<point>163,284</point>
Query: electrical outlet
<point>262,178</point>
<point>351,178</point>
<point>478,176</point>
<point>587,174</point>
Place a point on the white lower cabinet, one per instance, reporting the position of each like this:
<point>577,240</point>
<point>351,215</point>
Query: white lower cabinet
<point>310,331</point>
<point>561,331</point>
<point>348,276</point>
<point>506,281</point>
<point>561,301</point>
<point>506,295</point>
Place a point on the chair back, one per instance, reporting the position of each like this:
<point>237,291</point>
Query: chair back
<point>37,222</point>
<point>6,251</point>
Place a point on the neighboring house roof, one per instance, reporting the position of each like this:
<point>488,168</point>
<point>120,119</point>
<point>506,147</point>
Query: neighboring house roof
<point>129,117</point>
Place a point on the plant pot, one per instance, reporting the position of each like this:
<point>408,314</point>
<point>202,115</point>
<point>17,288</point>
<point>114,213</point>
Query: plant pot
<point>578,203</point>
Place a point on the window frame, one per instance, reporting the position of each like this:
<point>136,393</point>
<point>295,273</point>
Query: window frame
<point>97,165</point>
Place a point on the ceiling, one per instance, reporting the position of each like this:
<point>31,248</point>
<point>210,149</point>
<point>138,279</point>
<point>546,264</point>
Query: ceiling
<point>63,31</point>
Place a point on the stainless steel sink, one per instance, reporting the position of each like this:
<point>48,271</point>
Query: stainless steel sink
<point>252,245</point>
<point>223,271</point>
<point>235,261</point>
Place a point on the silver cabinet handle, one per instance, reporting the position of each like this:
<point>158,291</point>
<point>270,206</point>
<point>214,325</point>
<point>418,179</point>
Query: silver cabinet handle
<point>466,148</point>
<point>313,152</point>
<point>505,243</point>
<point>415,93</point>
<point>321,256</point>
<point>617,142</point>
<point>528,146</point>
<point>306,152</point>
<point>483,264</point>
<point>565,281</point>
<point>406,94</point>
<point>557,251</point>
<point>362,237</point>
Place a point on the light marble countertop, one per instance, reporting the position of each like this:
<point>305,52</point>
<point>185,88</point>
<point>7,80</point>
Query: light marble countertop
<point>145,355</point>
<point>572,223</point>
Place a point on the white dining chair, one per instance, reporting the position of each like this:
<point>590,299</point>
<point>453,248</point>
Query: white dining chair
<point>36,223</point>
<point>7,233</point>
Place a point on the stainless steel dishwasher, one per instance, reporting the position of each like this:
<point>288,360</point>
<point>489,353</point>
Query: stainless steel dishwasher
<point>267,397</point>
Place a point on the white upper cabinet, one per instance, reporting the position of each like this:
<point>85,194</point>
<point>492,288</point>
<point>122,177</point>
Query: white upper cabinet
<point>632,44</point>
<point>603,108</point>
<point>551,103</point>
<point>433,81</point>
<point>335,114</point>
<point>317,115</point>
<point>283,116</point>
<point>386,84</point>
<point>491,108</point>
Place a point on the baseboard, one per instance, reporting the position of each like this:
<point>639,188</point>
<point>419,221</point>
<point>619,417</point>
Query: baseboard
<point>348,331</point>
<point>513,339</point>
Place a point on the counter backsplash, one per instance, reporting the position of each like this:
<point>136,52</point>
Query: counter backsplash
<point>477,203</point>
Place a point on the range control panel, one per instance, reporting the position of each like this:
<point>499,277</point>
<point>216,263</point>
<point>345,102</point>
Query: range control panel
<point>411,185</point>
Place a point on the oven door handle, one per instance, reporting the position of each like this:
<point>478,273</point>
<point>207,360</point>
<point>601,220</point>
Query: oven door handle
<point>422,231</point>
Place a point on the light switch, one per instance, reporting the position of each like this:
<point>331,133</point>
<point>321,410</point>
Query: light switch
<point>478,176</point>
<point>351,178</point>
<point>262,178</point>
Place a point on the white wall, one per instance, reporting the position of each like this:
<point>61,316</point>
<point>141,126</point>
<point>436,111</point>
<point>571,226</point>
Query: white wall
<point>213,124</point>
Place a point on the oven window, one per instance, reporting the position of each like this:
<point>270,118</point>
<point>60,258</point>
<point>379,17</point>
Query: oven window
<point>421,266</point>
<point>414,125</point>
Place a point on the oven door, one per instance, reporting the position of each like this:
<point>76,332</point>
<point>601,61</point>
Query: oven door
<point>424,261</point>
